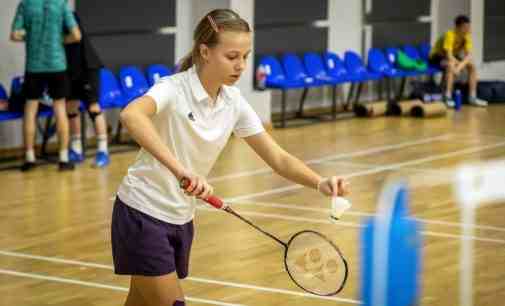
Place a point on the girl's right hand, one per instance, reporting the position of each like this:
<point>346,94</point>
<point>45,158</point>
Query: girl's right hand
<point>197,187</point>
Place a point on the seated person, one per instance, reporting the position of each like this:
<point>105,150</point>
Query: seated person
<point>453,53</point>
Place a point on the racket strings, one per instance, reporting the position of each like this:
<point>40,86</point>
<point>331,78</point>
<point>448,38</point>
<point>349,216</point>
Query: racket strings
<point>315,264</point>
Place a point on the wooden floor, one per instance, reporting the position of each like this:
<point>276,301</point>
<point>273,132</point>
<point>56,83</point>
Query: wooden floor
<point>55,236</point>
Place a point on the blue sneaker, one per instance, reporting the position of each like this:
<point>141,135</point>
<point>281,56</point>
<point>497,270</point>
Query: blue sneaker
<point>75,157</point>
<point>101,159</point>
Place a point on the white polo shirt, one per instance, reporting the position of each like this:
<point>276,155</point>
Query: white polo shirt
<point>195,133</point>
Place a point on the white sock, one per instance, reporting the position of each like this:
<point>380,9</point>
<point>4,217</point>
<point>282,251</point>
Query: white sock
<point>76,144</point>
<point>30,156</point>
<point>64,156</point>
<point>102,143</point>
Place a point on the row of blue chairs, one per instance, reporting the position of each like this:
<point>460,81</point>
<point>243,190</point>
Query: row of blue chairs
<point>114,93</point>
<point>328,69</point>
<point>132,83</point>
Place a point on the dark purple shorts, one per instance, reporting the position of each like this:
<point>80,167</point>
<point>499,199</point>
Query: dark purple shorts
<point>144,245</point>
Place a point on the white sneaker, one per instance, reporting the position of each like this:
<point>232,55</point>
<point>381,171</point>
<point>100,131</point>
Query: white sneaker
<point>450,102</point>
<point>477,102</point>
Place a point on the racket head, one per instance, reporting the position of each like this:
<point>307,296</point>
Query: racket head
<point>315,264</point>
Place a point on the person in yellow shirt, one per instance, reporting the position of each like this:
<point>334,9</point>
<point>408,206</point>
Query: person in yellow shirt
<point>453,52</point>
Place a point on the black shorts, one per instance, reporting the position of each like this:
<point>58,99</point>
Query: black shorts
<point>57,85</point>
<point>438,61</point>
<point>144,245</point>
<point>86,87</point>
<point>441,61</point>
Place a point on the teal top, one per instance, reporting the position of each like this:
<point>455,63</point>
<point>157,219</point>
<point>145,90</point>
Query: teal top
<point>44,21</point>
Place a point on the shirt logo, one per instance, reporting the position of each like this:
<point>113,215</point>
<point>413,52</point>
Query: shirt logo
<point>191,117</point>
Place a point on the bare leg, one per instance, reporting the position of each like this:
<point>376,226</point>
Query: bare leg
<point>134,298</point>
<point>62,127</point>
<point>100,124</point>
<point>472,79</point>
<point>74,122</point>
<point>29,126</point>
<point>155,291</point>
<point>472,82</point>
<point>29,132</point>
<point>449,79</point>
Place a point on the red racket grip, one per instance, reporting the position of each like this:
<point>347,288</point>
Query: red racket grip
<point>216,202</point>
<point>212,200</point>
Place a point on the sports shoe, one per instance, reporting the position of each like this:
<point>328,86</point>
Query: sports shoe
<point>477,102</point>
<point>66,166</point>
<point>28,166</point>
<point>102,159</point>
<point>449,101</point>
<point>75,157</point>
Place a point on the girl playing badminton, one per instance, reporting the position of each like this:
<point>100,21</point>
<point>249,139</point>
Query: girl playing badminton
<point>182,124</point>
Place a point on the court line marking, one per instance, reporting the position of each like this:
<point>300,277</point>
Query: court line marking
<point>195,279</point>
<point>364,152</point>
<point>366,214</point>
<point>98,285</point>
<point>354,224</point>
<point>376,170</point>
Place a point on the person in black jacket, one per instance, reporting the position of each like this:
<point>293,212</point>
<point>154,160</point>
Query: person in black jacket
<point>84,73</point>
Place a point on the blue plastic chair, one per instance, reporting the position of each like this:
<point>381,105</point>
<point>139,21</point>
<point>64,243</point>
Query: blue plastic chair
<point>315,68</point>
<point>6,115</point>
<point>392,58</point>
<point>424,52</point>
<point>295,71</point>
<point>413,53</point>
<point>43,112</point>
<point>156,72</point>
<point>336,67</point>
<point>378,63</point>
<point>133,82</point>
<point>3,93</point>
<point>275,77</point>
<point>356,68</point>
<point>360,74</point>
<point>110,95</point>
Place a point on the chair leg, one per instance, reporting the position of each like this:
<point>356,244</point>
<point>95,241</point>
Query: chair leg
<point>302,102</point>
<point>349,96</point>
<point>380,84</point>
<point>388,88</point>
<point>283,109</point>
<point>358,93</point>
<point>402,89</point>
<point>334,102</point>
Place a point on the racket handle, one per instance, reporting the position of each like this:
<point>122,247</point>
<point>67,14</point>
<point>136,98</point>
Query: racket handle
<point>216,202</point>
<point>212,200</point>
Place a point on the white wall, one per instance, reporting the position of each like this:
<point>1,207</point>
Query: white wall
<point>345,32</point>
<point>345,28</point>
<point>260,101</point>
<point>487,70</point>
<point>12,61</point>
<point>13,54</point>
<point>184,22</point>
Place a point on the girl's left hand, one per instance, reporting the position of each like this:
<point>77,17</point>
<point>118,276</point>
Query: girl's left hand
<point>334,186</point>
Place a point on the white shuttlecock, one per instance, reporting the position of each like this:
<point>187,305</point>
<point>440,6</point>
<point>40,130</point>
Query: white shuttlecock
<point>338,206</point>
